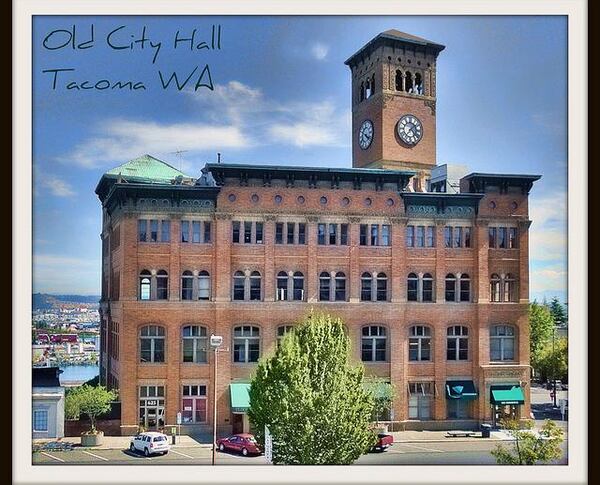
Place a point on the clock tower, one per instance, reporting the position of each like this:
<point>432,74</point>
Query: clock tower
<point>393,103</point>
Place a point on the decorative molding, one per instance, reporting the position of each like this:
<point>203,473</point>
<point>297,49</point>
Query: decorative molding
<point>430,103</point>
<point>222,216</point>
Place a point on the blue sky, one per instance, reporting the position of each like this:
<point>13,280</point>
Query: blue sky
<point>282,96</point>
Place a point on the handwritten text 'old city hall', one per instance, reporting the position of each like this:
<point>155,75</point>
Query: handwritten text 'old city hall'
<point>121,39</point>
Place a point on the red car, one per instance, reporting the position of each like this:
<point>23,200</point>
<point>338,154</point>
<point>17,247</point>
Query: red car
<point>242,443</point>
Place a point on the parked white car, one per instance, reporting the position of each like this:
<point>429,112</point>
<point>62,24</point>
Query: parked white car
<point>150,443</point>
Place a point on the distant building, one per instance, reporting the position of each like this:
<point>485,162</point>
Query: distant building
<point>48,410</point>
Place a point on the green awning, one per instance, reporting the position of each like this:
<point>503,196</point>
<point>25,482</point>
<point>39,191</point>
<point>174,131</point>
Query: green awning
<point>509,394</point>
<point>380,390</point>
<point>240,399</point>
<point>460,390</point>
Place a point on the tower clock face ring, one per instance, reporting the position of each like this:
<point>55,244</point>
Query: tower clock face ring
<point>365,134</point>
<point>410,129</point>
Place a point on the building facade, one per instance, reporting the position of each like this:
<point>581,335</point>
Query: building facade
<point>432,286</point>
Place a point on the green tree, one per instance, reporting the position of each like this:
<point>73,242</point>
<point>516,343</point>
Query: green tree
<point>558,311</point>
<point>554,360</point>
<point>541,326</point>
<point>529,448</point>
<point>383,398</point>
<point>90,401</point>
<point>312,398</point>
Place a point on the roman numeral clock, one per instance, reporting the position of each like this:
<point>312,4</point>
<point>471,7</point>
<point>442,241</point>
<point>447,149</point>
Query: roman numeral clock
<point>393,103</point>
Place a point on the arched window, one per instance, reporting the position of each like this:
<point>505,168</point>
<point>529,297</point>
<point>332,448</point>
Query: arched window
<point>427,287</point>
<point>509,287</point>
<point>495,288</point>
<point>398,80</point>
<point>282,331</point>
<point>457,340</point>
<point>145,285</point>
<point>374,344</point>
<point>194,344</point>
<point>419,343</point>
<point>382,287</point>
<point>282,286</point>
<point>239,280</point>
<point>152,343</point>
<point>450,287</point>
<point>187,285</point>
<point>418,84</point>
<point>413,287</point>
<point>255,293</point>
<point>298,289</point>
<point>408,84</point>
<point>203,285</point>
<point>162,285</point>
<point>368,89</point>
<point>373,84</point>
<point>340,286</point>
<point>324,286</point>
<point>362,92</point>
<point>502,343</point>
<point>465,288</point>
<point>366,286</point>
<point>246,344</point>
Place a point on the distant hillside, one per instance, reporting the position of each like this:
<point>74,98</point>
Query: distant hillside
<point>43,301</point>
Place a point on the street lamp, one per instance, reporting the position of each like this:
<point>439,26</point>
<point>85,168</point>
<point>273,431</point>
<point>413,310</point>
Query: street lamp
<point>553,367</point>
<point>215,342</point>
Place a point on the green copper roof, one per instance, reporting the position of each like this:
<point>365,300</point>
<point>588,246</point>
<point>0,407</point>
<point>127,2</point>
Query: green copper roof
<point>148,168</point>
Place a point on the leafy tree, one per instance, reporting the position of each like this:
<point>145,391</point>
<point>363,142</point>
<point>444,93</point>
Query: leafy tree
<point>312,398</point>
<point>383,398</point>
<point>529,448</point>
<point>541,327</point>
<point>558,311</point>
<point>554,361</point>
<point>88,400</point>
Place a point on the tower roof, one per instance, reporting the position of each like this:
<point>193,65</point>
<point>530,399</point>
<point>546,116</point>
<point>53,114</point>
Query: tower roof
<point>400,37</point>
<point>147,167</point>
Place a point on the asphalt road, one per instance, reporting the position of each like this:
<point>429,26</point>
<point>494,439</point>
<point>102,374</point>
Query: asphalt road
<point>439,453</point>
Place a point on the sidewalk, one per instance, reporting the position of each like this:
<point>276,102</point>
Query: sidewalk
<point>440,436</point>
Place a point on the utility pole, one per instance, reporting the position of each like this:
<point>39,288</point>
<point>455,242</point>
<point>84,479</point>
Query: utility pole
<point>215,342</point>
<point>553,367</point>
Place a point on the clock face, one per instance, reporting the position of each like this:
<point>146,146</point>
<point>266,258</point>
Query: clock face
<point>365,134</point>
<point>410,129</point>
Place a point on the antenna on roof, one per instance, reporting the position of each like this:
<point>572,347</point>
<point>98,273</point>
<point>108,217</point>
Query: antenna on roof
<point>178,153</point>
<point>218,157</point>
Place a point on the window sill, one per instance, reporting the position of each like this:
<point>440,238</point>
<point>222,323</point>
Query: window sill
<point>152,364</point>
<point>504,362</point>
<point>194,364</point>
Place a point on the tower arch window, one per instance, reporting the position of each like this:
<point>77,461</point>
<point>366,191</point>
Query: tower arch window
<point>450,292</point>
<point>246,344</point>
<point>324,286</point>
<point>162,285</point>
<point>368,89</point>
<point>408,82</point>
<point>465,288</point>
<point>366,286</point>
<point>239,280</point>
<point>340,286</point>
<point>508,288</point>
<point>502,343</point>
<point>495,282</point>
<point>503,288</point>
<point>381,292</point>
<point>361,94</point>
<point>398,80</point>
<point>187,285</point>
<point>194,344</point>
<point>282,286</point>
<point>419,343</point>
<point>152,344</point>
<point>298,286</point>
<point>203,285</point>
<point>255,285</point>
<point>418,89</point>
<point>145,285</point>
<point>374,344</point>
<point>457,343</point>
<point>413,287</point>
<point>427,284</point>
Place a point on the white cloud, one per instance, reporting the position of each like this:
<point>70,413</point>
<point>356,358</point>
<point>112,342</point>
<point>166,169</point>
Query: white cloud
<point>319,51</point>
<point>549,279</point>
<point>57,186</point>
<point>64,274</point>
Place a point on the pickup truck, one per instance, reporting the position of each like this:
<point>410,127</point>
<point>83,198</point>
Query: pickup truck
<point>384,441</point>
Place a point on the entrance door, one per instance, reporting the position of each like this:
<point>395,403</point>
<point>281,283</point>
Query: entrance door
<point>238,423</point>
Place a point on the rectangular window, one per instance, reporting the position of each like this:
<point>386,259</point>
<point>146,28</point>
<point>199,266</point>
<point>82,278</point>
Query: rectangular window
<point>458,409</point>
<point>492,237</point>
<point>324,288</point>
<point>374,235</point>
<point>165,230</point>
<point>363,234</point>
<point>412,289</point>
<point>333,234</point>
<point>512,237</point>
<point>467,231</point>
<point>259,233</point>
<point>301,233</point>
<point>410,236</point>
<point>420,236</point>
<point>142,223</point>
<point>502,237</point>
<point>279,233</point>
<point>207,232</point>
<point>236,231</point>
<point>344,234</point>
<point>154,230</point>
<point>185,231</point>
<point>458,237</point>
<point>290,232</point>
<point>448,237</point>
<point>385,235</point>
<point>430,236</point>
<point>196,231</point>
<point>427,289</point>
<point>451,349</point>
<point>247,232</point>
<point>321,234</point>
<point>40,420</point>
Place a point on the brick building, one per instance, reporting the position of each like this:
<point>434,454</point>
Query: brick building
<point>432,286</point>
